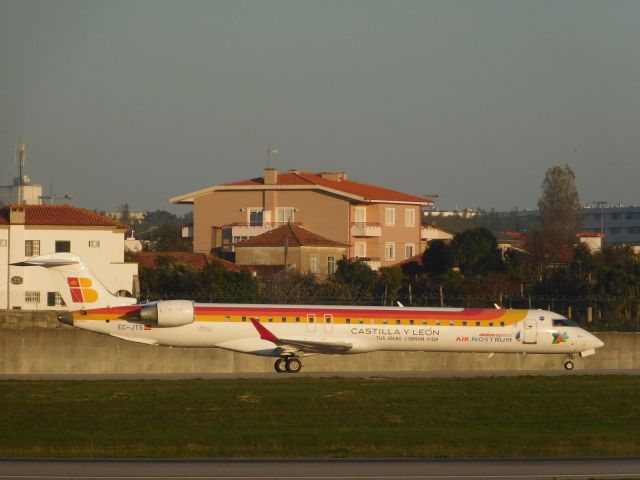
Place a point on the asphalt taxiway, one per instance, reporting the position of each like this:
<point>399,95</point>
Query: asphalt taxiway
<point>574,468</point>
<point>309,374</point>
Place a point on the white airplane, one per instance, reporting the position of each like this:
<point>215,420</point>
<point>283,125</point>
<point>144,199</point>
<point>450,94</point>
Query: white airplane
<point>289,332</point>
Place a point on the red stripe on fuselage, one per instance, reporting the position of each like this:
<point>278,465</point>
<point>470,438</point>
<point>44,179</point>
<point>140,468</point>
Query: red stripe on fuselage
<point>464,314</point>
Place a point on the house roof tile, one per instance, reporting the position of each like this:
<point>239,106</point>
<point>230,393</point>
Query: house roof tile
<point>60,215</point>
<point>364,190</point>
<point>294,236</point>
<point>195,260</point>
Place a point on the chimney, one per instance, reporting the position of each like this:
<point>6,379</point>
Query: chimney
<point>270,176</point>
<point>17,216</point>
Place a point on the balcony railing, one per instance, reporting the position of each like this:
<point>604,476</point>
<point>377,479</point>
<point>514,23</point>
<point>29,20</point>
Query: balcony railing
<point>365,229</point>
<point>374,262</point>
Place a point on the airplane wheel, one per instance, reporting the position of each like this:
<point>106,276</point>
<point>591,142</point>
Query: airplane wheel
<point>280,365</point>
<point>294,365</point>
<point>568,365</point>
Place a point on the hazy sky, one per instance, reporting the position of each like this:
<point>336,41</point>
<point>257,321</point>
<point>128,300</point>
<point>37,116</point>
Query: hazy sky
<point>137,101</point>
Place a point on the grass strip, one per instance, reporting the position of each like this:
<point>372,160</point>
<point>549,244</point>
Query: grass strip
<point>323,418</point>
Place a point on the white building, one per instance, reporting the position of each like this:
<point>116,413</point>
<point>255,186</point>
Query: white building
<point>22,192</point>
<point>31,230</point>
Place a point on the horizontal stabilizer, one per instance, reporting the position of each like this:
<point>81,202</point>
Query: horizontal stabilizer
<point>46,262</point>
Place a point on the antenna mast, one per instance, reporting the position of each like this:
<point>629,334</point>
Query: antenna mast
<point>21,158</point>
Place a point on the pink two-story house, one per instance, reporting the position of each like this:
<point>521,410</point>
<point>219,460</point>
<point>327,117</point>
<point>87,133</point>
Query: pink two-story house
<point>382,226</point>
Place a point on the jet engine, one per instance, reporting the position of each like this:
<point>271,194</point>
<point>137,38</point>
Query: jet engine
<point>168,313</point>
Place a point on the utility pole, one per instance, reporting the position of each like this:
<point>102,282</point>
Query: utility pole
<point>601,204</point>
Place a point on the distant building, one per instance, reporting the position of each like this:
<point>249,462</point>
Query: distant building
<point>21,192</point>
<point>620,224</point>
<point>592,240</point>
<point>434,232</point>
<point>133,216</point>
<point>293,247</point>
<point>31,230</point>
<point>380,225</point>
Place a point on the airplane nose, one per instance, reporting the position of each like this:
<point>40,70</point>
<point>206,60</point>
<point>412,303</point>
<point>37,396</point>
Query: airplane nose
<point>597,343</point>
<point>66,317</point>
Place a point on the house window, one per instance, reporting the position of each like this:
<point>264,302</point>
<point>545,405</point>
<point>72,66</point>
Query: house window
<point>256,217</point>
<point>331,265</point>
<point>409,217</point>
<point>286,215</point>
<point>361,214</point>
<point>54,299</point>
<point>94,243</point>
<point>409,250</point>
<point>314,264</point>
<point>3,243</point>
<point>361,249</point>
<point>31,248</point>
<point>390,216</point>
<point>63,246</point>
<point>32,297</point>
<point>389,251</point>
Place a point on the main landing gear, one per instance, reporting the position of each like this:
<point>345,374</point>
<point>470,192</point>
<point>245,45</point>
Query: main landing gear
<point>288,364</point>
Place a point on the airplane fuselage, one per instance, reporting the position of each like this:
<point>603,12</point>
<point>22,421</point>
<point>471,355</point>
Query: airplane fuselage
<point>364,329</point>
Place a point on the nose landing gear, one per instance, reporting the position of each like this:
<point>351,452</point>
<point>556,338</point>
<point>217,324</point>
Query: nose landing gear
<point>568,364</point>
<point>288,364</point>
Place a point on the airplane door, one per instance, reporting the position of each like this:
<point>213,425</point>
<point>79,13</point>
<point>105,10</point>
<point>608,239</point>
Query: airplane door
<point>328,323</point>
<point>530,331</point>
<point>311,322</point>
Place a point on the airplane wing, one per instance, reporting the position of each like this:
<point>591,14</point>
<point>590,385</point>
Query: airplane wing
<point>306,346</point>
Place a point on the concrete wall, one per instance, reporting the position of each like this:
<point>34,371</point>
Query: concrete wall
<point>36,343</point>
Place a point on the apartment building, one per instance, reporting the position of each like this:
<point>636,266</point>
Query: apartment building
<point>27,231</point>
<point>382,226</point>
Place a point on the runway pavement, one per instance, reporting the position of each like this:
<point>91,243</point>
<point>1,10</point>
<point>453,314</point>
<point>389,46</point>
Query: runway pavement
<point>575,468</point>
<point>305,374</point>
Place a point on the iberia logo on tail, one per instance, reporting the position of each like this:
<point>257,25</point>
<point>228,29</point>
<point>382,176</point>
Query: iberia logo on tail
<point>80,291</point>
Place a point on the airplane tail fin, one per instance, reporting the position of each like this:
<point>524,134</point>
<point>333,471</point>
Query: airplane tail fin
<point>78,286</point>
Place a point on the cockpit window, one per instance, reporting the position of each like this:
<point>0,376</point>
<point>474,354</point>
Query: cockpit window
<point>564,322</point>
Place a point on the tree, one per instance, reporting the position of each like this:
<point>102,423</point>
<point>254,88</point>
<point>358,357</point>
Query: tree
<point>125,213</point>
<point>559,206</point>
<point>475,252</point>
<point>391,279</point>
<point>436,258</point>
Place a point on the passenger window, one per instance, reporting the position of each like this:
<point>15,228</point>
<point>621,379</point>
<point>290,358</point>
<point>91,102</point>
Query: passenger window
<point>284,319</point>
<point>297,319</point>
<point>271,319</point>
<point>348,320</point>
<point>477,324</point>
<point>451,323</point>
<point>244,319</point>
<point>437,322</point>
<point>397,322</point>
<point>502,324</point>
<point>410,322</point>
<point>227,318</point>
<point>464,324</point>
